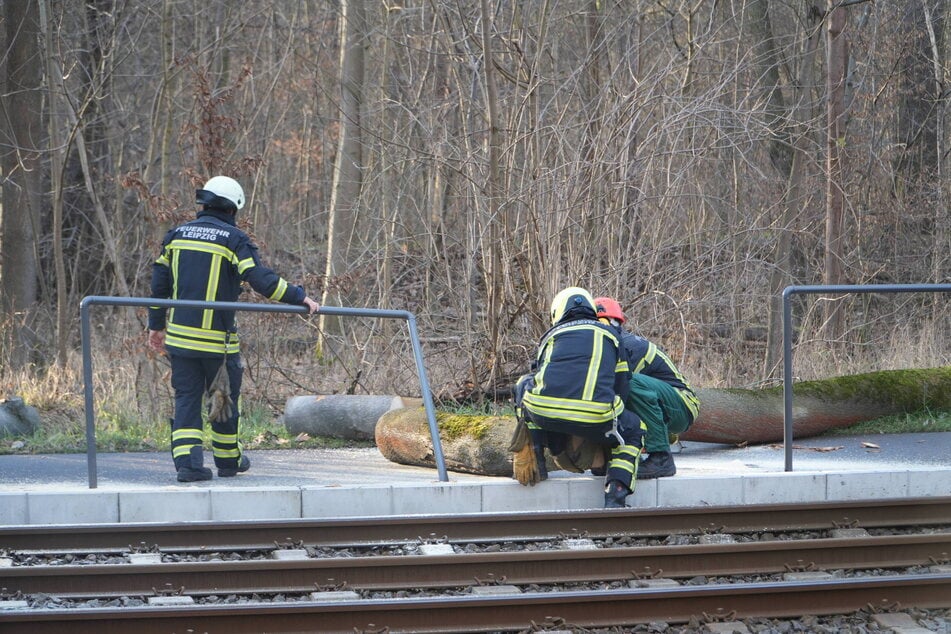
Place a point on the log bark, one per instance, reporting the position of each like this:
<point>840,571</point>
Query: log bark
<point>479,444</point>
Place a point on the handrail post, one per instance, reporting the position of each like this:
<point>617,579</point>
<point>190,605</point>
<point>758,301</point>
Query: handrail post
<point>427,400</point>
<point>787,378</point>
<point>87,392</point>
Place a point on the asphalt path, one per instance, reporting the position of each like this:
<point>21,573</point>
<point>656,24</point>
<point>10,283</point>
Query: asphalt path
<point>366,466</point>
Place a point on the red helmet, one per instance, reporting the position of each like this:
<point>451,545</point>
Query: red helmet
<point>609,308</point>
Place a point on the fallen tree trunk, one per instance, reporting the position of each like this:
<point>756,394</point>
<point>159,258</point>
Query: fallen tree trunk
<point>479,444</point>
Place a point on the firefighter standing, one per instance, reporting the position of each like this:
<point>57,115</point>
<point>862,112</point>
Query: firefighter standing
<point>578,387</point>
<point>207,259</point>
<point>659,394</point>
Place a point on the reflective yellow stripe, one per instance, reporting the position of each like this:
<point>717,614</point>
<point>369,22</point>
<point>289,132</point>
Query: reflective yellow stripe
<point>226,453</point>
<point>691,401</point>
<point>171,311</point>
<point>628,451</point>
<point>245,264</point>
<point>572,410</point>
<point>594,364</point>
<point>540,376</point>
<point>555,402</point>
<point>198,346</point>
<point>278,293</point>
<point>182,450</point>
<point>186,434</point>
<point>204,247</point>
<point>200,339</point>
<point>214,274</point>
<point>224,439</point>
<point>208,334</point>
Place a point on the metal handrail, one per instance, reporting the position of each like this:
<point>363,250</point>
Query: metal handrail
<point>92,300</point>
<point>788,292</point>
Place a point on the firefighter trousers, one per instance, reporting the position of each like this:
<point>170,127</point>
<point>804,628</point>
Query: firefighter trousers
<point>191,377</point>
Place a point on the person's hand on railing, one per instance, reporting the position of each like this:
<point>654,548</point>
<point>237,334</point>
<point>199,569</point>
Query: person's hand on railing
<point>312,306</point>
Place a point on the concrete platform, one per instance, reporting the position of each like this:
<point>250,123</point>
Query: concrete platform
<point>141,487</point>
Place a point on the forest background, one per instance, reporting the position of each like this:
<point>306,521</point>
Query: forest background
<point>464,160</point>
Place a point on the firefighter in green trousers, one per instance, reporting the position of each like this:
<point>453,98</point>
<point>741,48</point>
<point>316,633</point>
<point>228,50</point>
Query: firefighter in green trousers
<point>659,393</point>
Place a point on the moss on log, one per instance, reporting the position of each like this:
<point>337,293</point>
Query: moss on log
<point>756,416</point>
<point>479,444</point>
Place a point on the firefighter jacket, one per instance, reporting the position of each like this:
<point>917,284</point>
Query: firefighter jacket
<point>581,379</point>
<point>206,260</point>
<point>646,358</point>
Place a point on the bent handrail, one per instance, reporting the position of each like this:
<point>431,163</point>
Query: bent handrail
<point>93,300</point>
<point>788,292</point>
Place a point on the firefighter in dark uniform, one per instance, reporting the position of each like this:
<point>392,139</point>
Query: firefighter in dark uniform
<point>578,387</point>
<point>659,394</point>
<point>207,259</point>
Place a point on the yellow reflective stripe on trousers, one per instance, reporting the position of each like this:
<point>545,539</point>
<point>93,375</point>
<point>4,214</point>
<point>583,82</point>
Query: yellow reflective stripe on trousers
<point>224,439</point>
<point>187,434</point>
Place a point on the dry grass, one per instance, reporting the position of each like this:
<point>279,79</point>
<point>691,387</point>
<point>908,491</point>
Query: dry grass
<point>133,397</point>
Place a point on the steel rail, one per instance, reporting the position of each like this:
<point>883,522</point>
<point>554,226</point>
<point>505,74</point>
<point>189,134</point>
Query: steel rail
<point>493,613</point>
<point>408,572</point>
<point>634,522</point>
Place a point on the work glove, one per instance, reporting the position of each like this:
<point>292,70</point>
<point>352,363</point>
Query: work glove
<point>219,396</point>
<point>524,462</point>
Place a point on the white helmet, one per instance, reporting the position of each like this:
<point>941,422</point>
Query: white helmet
<point>221,187</point>
<point>568,299</point>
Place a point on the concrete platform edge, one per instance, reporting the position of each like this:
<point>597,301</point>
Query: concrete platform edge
<point>573,492</point>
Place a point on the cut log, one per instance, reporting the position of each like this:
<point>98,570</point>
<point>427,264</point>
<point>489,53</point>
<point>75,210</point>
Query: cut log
<point>470,444</point>
<point>351,417</point>
<point>479,444</point>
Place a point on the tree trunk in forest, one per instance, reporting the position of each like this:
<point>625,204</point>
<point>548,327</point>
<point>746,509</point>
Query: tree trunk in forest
<point>348,164</point>
<point>794,196</point>
<point>494,214</point>
<point>478,444</point>
<point>768,58</point>
<point>835,195</point>
<point>58,147</point>
<point>23,135</point>
<point>941,59</point>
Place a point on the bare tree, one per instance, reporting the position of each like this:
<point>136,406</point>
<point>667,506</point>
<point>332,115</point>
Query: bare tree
<point>791,161</point>
<point>23,134</point>
<point>833,271</point>
<point>348,163</point>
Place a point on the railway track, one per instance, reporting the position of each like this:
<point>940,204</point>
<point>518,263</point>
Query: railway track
<point>481,572</point>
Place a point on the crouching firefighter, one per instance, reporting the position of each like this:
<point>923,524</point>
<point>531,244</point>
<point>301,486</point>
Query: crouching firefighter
<point>578,386</point>
<point>660,395</point>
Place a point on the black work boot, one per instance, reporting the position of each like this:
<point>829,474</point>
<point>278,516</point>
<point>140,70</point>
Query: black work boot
<point>191,469</point>
<point>229,472</point>
<point>659,464</point>
<point>615,495</point>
